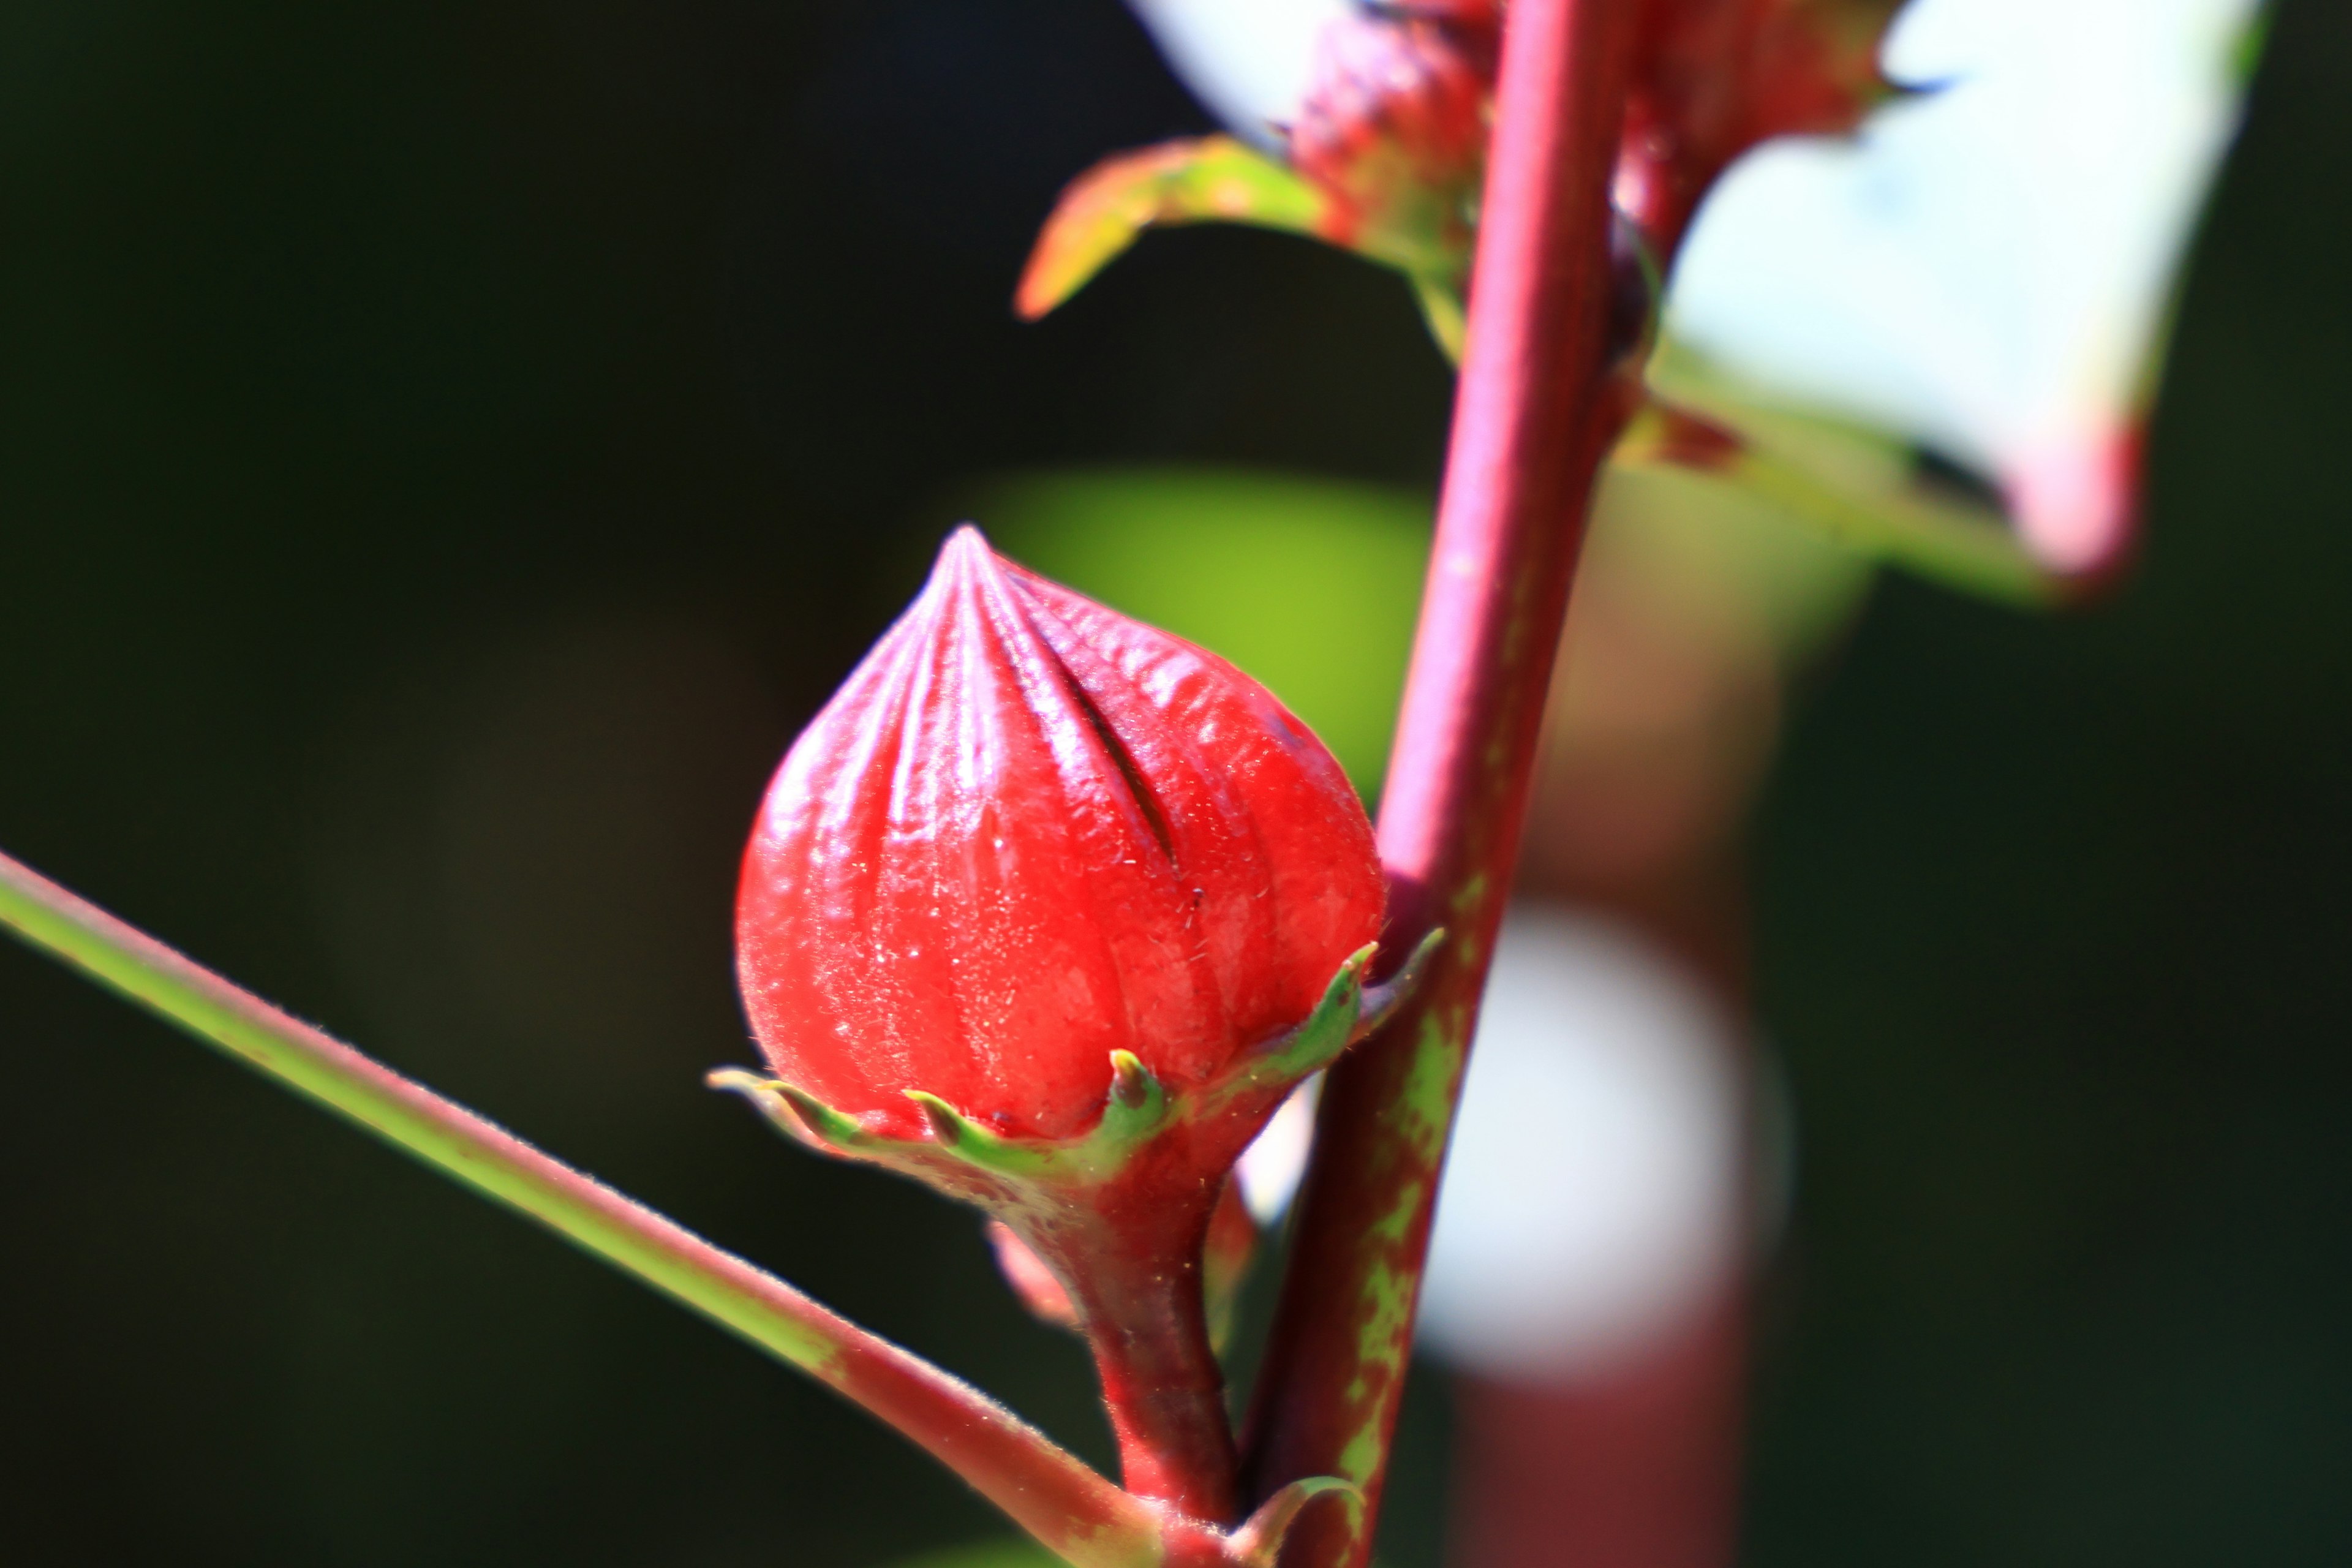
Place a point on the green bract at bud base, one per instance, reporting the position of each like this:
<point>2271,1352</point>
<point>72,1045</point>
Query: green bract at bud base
<point>1120,1213</point>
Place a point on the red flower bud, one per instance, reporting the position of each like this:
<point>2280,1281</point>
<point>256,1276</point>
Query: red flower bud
<point>1029,832</point>
<point>1714,77</point>
<point>1051,910</point>
<point>1393,132</point>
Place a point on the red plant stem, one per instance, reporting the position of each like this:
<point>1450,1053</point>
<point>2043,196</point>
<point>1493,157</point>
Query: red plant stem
<point>1136,1289</point>
<point>1540,403</point>
<point>1045,1489</point>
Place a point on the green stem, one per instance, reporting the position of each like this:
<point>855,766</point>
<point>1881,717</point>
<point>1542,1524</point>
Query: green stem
<point>1070,1508</point>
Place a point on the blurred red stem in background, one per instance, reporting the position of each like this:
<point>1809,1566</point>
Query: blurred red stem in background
<point>1636,1466</point>
<point>1540,401</point>
<point>1635,1463</point>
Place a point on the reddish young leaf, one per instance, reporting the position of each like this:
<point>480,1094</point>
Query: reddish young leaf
<point>1715,78</point>
<point>1392,130</point>
<point>1206,179</point>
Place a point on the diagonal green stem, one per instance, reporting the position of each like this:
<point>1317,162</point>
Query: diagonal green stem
<point>1070,1508</point>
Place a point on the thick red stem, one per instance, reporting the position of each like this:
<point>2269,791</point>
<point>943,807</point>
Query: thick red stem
<point>1138,1293</point>
<point>1539,405</point>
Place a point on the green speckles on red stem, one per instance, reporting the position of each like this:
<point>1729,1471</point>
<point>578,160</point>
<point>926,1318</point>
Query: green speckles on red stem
<point>1465,903</point>
<point>1384,1339</point>
<point>1530,428</point>
<point>1424,1108</point>
<point>1422,1115</point>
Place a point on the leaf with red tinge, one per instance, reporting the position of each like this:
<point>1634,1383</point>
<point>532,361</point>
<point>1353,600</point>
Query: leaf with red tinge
<point>1865,489</point>
<point>1393,128</point>
<point>1385,149</point>
<point>1715,78</point>
<point>1986,272</point>
<point>1210,179</point>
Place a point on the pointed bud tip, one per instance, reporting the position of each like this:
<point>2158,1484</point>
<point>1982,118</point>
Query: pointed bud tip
<point>964,549</point>
<point>965,561</point>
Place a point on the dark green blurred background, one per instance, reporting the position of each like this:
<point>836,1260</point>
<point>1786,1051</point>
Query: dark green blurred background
<point>444,451</point>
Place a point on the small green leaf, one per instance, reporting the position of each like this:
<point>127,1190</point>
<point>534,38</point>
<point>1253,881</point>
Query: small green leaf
<point>1210,179</point>
<point>1258,1542</point>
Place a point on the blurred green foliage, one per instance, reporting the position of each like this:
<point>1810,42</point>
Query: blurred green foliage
<point>1311,585</point>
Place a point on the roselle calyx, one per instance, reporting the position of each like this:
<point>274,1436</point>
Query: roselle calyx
<point>1392,130</point>
<point>1050,909</point>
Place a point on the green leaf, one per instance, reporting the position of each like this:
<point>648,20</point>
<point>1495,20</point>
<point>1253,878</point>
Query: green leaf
<point>1210,179</point>
<point>1864,488</point>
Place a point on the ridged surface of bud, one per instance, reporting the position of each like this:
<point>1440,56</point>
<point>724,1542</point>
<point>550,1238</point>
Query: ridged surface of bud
<point>1026,832</point>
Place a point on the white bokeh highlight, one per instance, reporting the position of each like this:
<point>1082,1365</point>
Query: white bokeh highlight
<point>1986,268</point>
<point>1270,1168</point>
<point>1595,1198</point>
<point>1248,61</point>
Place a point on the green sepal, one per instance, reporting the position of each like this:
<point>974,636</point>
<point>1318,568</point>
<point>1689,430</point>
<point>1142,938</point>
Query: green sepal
<point>1003,1172</point>
<point>1348,1012</point>
<point>798,1113</point>
<point>1312,1045</point>
<point>1138,1105</point>
<point>1382,999</point>
<point>1259,1540</point>
<point>955,1133</point>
